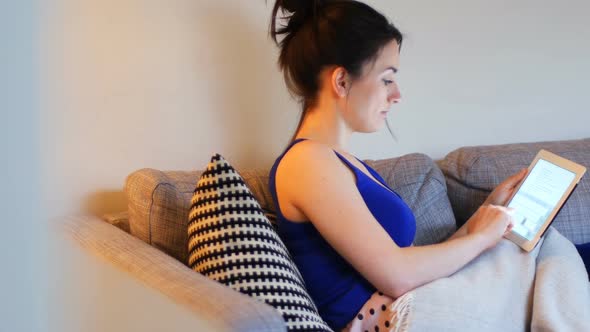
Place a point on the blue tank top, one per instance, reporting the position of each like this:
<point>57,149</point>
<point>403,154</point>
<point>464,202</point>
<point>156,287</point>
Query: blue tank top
<point>336,288</point>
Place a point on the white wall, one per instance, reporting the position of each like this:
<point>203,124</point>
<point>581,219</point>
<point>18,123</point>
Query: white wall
<point>22,292</point>
<point>129,84</point>
<point>164,84</point>
<point>156,84</point>
<point>487,72</point>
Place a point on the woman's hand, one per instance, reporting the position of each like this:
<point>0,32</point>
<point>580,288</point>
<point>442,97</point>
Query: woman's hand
<point>491,222</point>
<point>499,196</point>
<point>504,190</point>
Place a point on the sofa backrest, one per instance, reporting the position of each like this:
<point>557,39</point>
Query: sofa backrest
<point>420,182</point>
<point>159,201</point>
<point>473,172</point>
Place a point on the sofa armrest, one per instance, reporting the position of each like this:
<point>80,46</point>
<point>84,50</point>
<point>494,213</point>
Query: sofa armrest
<point>214,302</point>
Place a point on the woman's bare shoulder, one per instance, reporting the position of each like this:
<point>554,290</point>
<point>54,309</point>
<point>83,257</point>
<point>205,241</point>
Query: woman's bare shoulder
<point>308,154</point>
<point>306,165</point>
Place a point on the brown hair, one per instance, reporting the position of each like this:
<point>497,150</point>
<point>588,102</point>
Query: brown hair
<point>319,33</point>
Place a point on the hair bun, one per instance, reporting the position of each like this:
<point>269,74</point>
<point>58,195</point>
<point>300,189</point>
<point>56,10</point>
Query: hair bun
<point>298,7</point>
<point>301,11</point>
<point>296,12</point>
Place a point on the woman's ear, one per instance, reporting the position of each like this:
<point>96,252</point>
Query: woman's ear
<point>340,84</point>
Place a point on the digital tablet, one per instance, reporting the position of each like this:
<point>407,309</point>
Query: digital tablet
<point>549,182</point>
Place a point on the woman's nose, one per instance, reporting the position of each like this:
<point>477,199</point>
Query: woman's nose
<point>394,97</point>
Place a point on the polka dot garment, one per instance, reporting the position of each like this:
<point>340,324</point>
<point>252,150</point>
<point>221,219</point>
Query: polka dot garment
<point>382,313</point>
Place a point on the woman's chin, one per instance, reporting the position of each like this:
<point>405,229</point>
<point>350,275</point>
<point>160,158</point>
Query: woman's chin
<point>371,127</point>
<point>371,130</point>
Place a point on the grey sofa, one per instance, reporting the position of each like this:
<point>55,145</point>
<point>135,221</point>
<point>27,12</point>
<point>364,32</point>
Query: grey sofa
<point>149,240</point>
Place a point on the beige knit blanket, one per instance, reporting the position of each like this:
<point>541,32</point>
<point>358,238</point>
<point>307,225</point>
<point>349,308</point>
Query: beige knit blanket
<point>506,289</point>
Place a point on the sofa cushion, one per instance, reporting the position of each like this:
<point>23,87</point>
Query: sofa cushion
<point>159,201</point>
<point>473,172</point>
<point>158,204</point>
<point>421,184</point>
<point>231,241</point>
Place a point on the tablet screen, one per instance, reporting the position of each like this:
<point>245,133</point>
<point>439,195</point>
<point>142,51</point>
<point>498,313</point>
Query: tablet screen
<point>537,197</point>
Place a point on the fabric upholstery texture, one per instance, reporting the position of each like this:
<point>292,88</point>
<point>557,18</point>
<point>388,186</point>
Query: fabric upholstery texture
<point>231,241</point>
<point>158,208</point>
<point>221,307</point>
<point>421,184</point>
<point>473,172</point>
<point>119,219</point>
<point>508,289</point>
<point>159,201</point>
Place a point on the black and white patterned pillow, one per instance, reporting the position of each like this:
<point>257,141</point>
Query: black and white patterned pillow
<point>231,240</point>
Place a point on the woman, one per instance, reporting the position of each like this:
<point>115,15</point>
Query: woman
<point>349,234</point>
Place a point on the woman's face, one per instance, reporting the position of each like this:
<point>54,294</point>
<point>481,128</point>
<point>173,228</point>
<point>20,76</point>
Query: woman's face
<point>371,96</point>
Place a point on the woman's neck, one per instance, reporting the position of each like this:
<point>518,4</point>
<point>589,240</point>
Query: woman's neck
<point>325,126</point>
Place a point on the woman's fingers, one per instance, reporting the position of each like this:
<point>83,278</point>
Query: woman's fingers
<point>515,179</point>
<point>509,228</point>
<point>507,210</point>
<point>509,213</point>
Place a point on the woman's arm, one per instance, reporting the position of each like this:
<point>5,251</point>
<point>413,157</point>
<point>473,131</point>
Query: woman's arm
<point>462,231</point>
<point>324,189</point>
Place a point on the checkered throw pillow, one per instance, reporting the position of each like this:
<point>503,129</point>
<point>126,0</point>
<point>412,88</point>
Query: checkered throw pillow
<point>231,240</point>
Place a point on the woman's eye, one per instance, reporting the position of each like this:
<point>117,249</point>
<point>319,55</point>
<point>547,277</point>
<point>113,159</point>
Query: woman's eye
<point>387,82</point>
